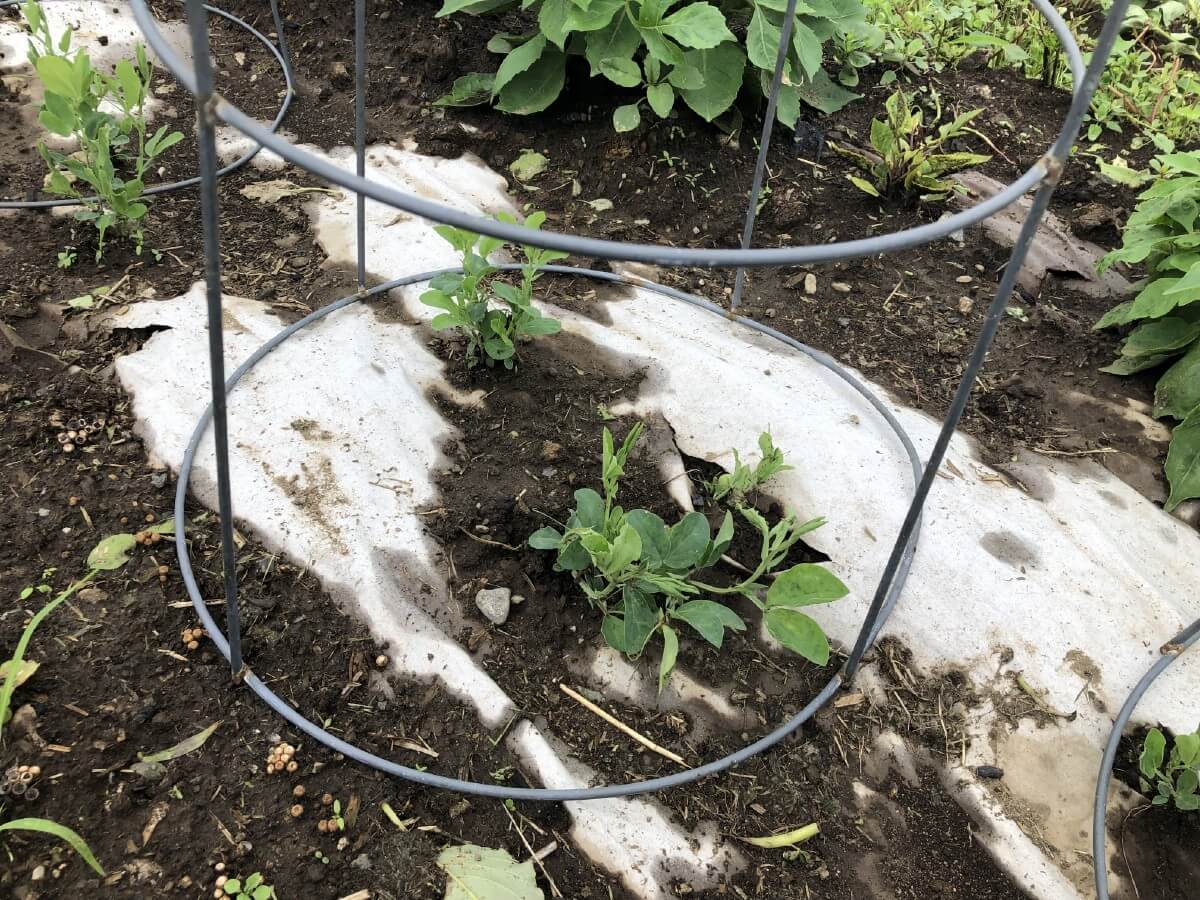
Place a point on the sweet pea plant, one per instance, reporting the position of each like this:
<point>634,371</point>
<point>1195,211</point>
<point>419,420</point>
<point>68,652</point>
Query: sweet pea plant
<point>666,51</point>
<point>493,315</point>
<point>1174,777</point>
<point>1161,234</point>
<point>735,486</point>
<point>641,574</point>
<point>105,116</point>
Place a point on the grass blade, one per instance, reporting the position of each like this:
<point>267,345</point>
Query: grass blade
<point>62,832</point>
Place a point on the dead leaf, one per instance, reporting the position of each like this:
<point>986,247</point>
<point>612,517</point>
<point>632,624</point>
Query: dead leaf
<point>279,189</point>
<point>849,700</point>
<point>25,670</point>
<point>184,747</point>
<point>157,814</point>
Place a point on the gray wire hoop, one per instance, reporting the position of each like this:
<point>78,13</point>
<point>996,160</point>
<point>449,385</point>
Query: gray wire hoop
<point>212,109</point>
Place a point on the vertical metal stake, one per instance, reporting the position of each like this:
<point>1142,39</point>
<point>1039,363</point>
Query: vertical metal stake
<point>360,129</point>
<point>198,27</point>
<point>764,144</point>
<point>281,40</point>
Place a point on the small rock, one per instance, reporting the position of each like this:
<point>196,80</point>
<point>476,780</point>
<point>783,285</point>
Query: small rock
<point>964,279</point>
<point>965,304</point>
<point>362,861</point>
<point>494,603</point>
<point>43,512</point>
<point>38,874</point>
<point>770,312</point>
<point>338,73</point>
<point>841,287</point>
<point>550,450</point>
<point>549,472</point>
<point>517,599</point>
<point>158,479</point>
<point>810,283</point>
<point>989,772</point>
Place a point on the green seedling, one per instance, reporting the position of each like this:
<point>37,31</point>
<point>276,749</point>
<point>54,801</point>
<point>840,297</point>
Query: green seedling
<point>744,480</point>
<point>493,315</point>
<point>115,150</point>
<point>908,159</point>
<point>641,574</point>
<point>253,888</point>
<point>1174,778</point>
<point>1162,236</point>
<point>66,259</point>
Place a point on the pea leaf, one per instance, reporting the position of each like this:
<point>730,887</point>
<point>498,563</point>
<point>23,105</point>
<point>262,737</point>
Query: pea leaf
<point>1160,336</point>
<point>1178,390</point>
<point>626,118</point>
<point>661,98</point>
<point>656,542</point>
<point>476,872</point>
<point>545,539</point>
<point>1153,750</point>
<point>641,618</point>
<point>624,72</point>
<point>700,26</point>
<point>473,89</point>
<point>518,61</point>
<point>184,747</point>
<point>762,40</point>
<point>1183,461</point>
<point>688,540</point>
<point>536,88</point>
<point>721,68</point>
<point>111,553</point>
<point>798,633</point>
<point>709,619</point>
<point>805,584</point>
<point>669,653</point>
<point>589,510</point>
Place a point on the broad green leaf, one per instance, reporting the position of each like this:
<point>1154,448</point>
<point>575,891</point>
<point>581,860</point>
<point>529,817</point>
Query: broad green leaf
<point>573,557</point>
<point>661,98</point>
<point>589,509</point>
<point>863,185</point>
<point>480,873</point>
<point>625,551</point>
<point>613,630</point>
<point>536,88</point>
<point>808,48</point>
<point>626,118</point>
<point>189,745</point>
<point>58,76</point>
<point>685,78</point>
<point>45,826</point>
<point>112,552</point>
<point>709,619</point>
<point>641,618</point>
<point>721,68</point>
<point>805,584</point>
<point>598,15</point>
<point>1120,314</point>
<point>762,40</point>
<point>1160,336</point>
<point>1182,162</point>
<point>552,20</point>
<point>527,166</point>
<point>474,89</point>
<point>1178,390</point>
<point>546,538</point>
<point>1187,746</point>
<point>660,47</point>
<point>798,633</point>
<point>1129,365</point>
<point>720,543</point>
<point>471,7</point>
<point>518,61</point>
<point>823,94</point>
<point>669,653</point>
<point>1183,461</point>
<point>542,325</point>
<point>1187,783</point>
<point>687,541</point>
<point>618,40</point>
<point>131,85</point>
<point>652,530</point>
<point>624,72</point>
<point>1187,802</point>
<point>438,300</point>
<point>700,26</point>
<point>1189,284</point>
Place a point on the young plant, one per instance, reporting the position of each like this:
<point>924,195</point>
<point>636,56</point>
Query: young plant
<point>114,151</point>
<point>698,53</point>
<point>493,315</point>
<point>1174,778</point>
<point>253,888</point>
<point>641,574</point>
<point>1161,234</point>
<point>744,479</point>
<point>909,159</point>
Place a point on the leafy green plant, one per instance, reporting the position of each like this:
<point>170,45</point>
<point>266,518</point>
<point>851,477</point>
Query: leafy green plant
<point>698,53</point>
<point>253,888</point>
<point>744,479</point>
<point>493,315</point>
<point>1161,234</point>
<point>641,574</point>
<point>909,158</point>
<point>114,148</point>
<point>1172,778</point>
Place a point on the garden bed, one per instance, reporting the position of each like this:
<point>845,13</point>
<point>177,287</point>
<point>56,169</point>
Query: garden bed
<point>116,680</point>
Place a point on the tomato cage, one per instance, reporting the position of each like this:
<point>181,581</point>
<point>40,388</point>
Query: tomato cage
<point>213,110</point>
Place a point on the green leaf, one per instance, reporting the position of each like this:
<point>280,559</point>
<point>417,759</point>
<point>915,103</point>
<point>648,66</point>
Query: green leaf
<point>1183,461</point>
<point>799,633</point>
<point>863,185</point>
<point>661,98</point>
<point>518,61</point>
<point>542,325</point>
<point>1178,390</point>
<point>471,7</point>
<point>573,557</point>
<point>546,538</point>
<point>233,886</point>
<point>589,509</point>
<point>189,745</point>
<point>535,89</point>
<point>641,618</point>
<point>598,15</point>
<point>1189,284</point>
<point>652,530</point>
<point>131,85</point>
<point>618,40</point>
<point>720,543</point>
<point>624,72</point>
<point>527,166</point>
<point>627,118</point>
<point>1120,314</point>
<point>1160,336</point>
<point>59,76</point>
<point>687,541</point>
<point>45,826</point>
<point>762,40</point>
<point>552,20</point>
<point>823,94</point>
<point>805,584</point>
<point>709,619</point>
<point>669,653</point>
<point>474,89</point>
<point>721,68</point>
<point>263,892</point>
<point>1129,365</point>
<point>1187,748</point>
<point>613,630</point>
<point>697,25</point>
<point>625,551</point>
<point>808,48</point>
<point>685,78</point>
<point>480,873</point>
<point>112,552</point>
<point>1152,751</point>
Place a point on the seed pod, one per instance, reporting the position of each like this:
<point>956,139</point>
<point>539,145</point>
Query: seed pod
<point>155,537</point>
<point>72,435</point>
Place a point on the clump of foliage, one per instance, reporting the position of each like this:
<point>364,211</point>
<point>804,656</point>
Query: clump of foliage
<point>698,53</point>
<point>493,315</point>
<point>1161,234</point>
<point>115,150</point>
<point>1174,778</point>
<point>641,574</point>
<point>253,888</point>
<point>909,157</point>
<point>745,479</point>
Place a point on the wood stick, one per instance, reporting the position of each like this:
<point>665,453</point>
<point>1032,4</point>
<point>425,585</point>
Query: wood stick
<point>618,724</point>
<point>533,855</point>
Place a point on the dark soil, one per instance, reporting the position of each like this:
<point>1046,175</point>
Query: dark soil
<point>117,680</point>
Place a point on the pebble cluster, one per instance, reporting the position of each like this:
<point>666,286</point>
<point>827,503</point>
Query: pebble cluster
<point>18,782</point>
<point>191,637</point>
<point>76,431</point>
<point>280,759</point>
